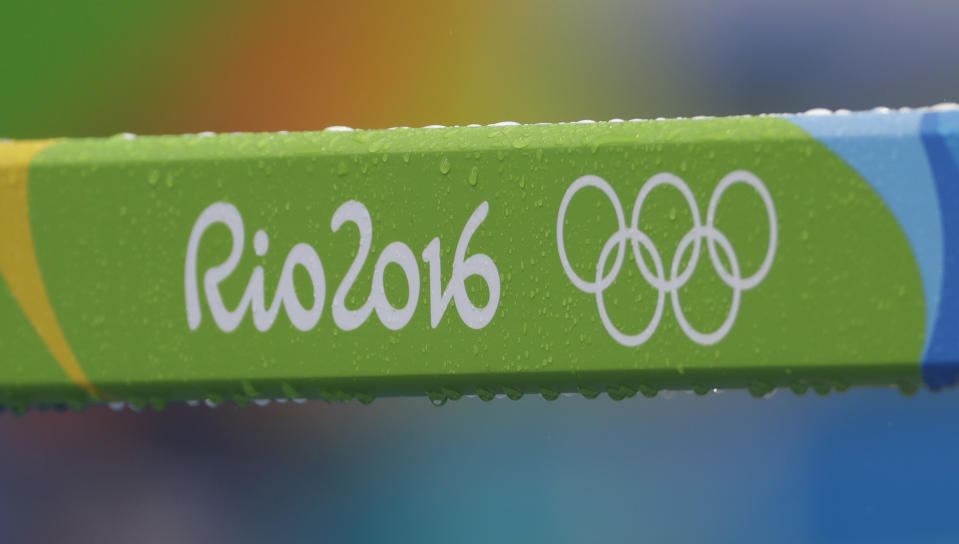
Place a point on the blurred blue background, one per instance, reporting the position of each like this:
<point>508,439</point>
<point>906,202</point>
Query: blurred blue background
<point>868,465</point>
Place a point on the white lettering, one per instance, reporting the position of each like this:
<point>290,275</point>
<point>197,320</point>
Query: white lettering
<point>305,317</point>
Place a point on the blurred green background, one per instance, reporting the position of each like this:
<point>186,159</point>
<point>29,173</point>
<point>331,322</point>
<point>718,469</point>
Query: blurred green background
<point>99,68</point>
<point>865,466</point>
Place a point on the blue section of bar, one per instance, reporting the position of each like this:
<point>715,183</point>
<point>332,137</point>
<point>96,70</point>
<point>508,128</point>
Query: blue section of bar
<point>887,151</point>
<point>940,136</point>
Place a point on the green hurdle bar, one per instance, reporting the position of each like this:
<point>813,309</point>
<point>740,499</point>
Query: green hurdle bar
<point>804,251</point>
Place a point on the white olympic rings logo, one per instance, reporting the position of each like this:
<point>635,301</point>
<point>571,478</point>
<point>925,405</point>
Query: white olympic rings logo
<point>657,278</point>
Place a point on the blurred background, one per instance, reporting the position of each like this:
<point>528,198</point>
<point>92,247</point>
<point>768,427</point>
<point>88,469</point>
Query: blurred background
<point>864,466</point>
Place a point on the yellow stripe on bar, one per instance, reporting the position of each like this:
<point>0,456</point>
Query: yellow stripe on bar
<point>18,259</point>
